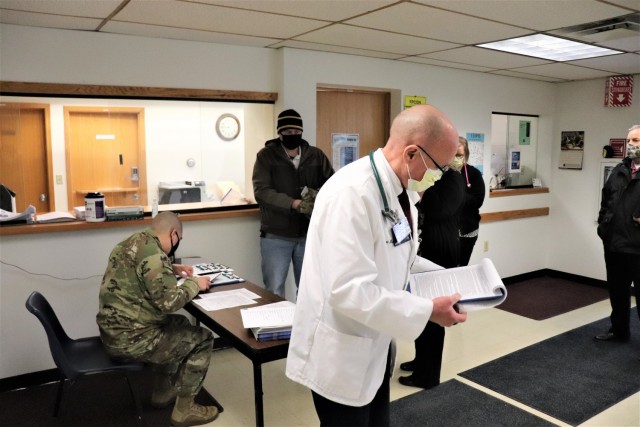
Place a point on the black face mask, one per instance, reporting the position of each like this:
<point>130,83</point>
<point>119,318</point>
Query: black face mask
<point>174,248</point>
<point>291,141</point>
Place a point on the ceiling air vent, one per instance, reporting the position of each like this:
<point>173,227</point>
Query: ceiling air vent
<point>610,29</point>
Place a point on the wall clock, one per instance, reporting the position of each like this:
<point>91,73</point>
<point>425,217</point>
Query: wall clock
<point>228,127</point>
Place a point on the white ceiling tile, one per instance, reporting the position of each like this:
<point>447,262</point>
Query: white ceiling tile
<point>335,49</point>
<point>214,18</point>
<point>330,10</point>
<point>420,31</point>
<point>418,20</point>
<point>485,58</point>
<point>564,71</point>
<point>421,60</point>
<point>628,63</point>
<point>48,21</point>
<point>154,31</point>
<point>526,76</point>
<point>382,41</point>
<point>630,4</point>
<point>629,44</point>
<point>76,8</point>
<point>540,15</point>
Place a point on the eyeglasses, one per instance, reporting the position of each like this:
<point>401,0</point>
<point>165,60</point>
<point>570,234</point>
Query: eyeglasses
<point>442,169</point>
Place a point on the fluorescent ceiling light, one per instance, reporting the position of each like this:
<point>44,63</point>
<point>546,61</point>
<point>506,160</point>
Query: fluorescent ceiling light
<point>548,47</point>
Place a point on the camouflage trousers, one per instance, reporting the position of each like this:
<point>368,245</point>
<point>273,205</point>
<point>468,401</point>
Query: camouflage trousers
<point>182,352</point>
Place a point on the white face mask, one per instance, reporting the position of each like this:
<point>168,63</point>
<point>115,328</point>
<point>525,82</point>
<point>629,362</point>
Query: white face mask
<point>428,179</point>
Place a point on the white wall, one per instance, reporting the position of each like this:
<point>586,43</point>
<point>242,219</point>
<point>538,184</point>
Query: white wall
<point>564,241</point>
<point>574,246</point>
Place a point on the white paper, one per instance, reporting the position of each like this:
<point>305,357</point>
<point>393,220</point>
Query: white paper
<point>55,217</point>
<point>27,215</point>
<point>472,282</point>
<point>269,315</point>
<point>227,299</point>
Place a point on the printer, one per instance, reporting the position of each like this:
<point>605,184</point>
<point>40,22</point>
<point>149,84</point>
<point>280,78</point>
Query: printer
<point>171,192</point>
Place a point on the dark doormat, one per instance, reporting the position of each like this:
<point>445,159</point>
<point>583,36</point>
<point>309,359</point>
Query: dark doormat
<point>455,404</point>
<point>96,401</point>
<point>570,377</point>
<point>545,297</point>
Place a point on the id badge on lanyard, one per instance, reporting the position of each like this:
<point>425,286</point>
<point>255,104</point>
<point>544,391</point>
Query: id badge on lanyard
<point>401,230</point>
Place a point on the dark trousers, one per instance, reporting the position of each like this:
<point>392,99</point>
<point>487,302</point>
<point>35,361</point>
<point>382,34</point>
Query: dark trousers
<point>466,248</point>
<point>622,269</point>
<point>428,360</point>
<point>373,414</point>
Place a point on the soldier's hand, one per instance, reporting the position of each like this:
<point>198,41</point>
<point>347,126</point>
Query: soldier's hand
<point>203,283</point>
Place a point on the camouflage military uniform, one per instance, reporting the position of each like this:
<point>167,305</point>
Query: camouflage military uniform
<point>138,292</point>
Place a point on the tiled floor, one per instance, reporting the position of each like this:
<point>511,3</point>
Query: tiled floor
<point>485,336</point>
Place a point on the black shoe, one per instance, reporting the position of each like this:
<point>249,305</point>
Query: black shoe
<point>409,381</point>
<point>610,336</point>
<point>408,366</point>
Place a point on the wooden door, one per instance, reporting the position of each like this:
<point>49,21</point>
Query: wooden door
<point>105,148</point>
<point>25,162</point>
<point>352,112</point>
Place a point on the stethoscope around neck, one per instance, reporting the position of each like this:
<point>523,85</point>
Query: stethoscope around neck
<point>386,212</point>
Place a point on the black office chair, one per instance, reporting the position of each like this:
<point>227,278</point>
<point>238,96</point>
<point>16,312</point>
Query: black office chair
<point>77,358</point>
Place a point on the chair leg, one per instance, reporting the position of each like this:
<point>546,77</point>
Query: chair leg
<point>136,401</point>
<point>56,408</point>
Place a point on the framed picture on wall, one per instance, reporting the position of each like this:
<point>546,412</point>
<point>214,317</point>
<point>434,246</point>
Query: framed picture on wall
<point>571,149</point>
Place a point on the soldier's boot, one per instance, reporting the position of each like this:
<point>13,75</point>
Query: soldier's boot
<point>188,413</point>
<point>164,393</point>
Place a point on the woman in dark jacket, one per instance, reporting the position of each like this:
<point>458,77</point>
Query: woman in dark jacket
<point>438,216</point>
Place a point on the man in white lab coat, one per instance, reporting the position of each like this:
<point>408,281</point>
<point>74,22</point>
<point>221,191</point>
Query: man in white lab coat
<point>361,247</point>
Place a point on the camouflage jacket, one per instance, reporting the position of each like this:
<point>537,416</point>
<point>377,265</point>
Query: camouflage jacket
<point>138,290</point>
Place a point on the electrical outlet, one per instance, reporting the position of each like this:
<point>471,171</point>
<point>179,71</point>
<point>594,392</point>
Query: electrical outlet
<point>59,179</point>
<point>486,246</point>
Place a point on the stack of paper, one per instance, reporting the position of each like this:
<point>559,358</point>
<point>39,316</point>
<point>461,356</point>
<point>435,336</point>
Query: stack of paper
<point>271,321</point>
<point>479,285</point>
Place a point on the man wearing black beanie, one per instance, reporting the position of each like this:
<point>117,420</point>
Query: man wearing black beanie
<point>286,177</point>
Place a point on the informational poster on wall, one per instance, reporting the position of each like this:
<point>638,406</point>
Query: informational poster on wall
<point>344,148</point>
<point>476,150</point>
<point>571,149</point>
<point>619,146</point>
<point>515,157</point>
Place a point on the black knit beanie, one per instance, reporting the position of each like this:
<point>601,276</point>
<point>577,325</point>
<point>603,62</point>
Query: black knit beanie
<point>289,119</point>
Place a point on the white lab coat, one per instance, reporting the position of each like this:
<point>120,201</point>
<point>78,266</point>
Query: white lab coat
<point>351,302</point>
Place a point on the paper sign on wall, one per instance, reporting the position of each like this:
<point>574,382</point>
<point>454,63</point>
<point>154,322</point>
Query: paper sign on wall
<point>618,91</point>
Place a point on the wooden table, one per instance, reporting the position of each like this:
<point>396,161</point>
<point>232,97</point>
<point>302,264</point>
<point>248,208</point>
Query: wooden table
<point>227,323</point>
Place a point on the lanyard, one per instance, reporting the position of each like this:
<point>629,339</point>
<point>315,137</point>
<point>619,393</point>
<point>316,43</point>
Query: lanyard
<point>386,212</point>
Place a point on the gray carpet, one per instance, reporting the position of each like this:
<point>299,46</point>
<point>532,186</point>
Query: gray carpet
<point>455,404</point>
<point>570,377</point>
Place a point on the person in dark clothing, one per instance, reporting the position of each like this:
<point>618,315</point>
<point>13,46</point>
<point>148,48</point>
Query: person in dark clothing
<point>470,215</point>
<point>287,175</point>
<point>619,229</point>
<point>438,215</point>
